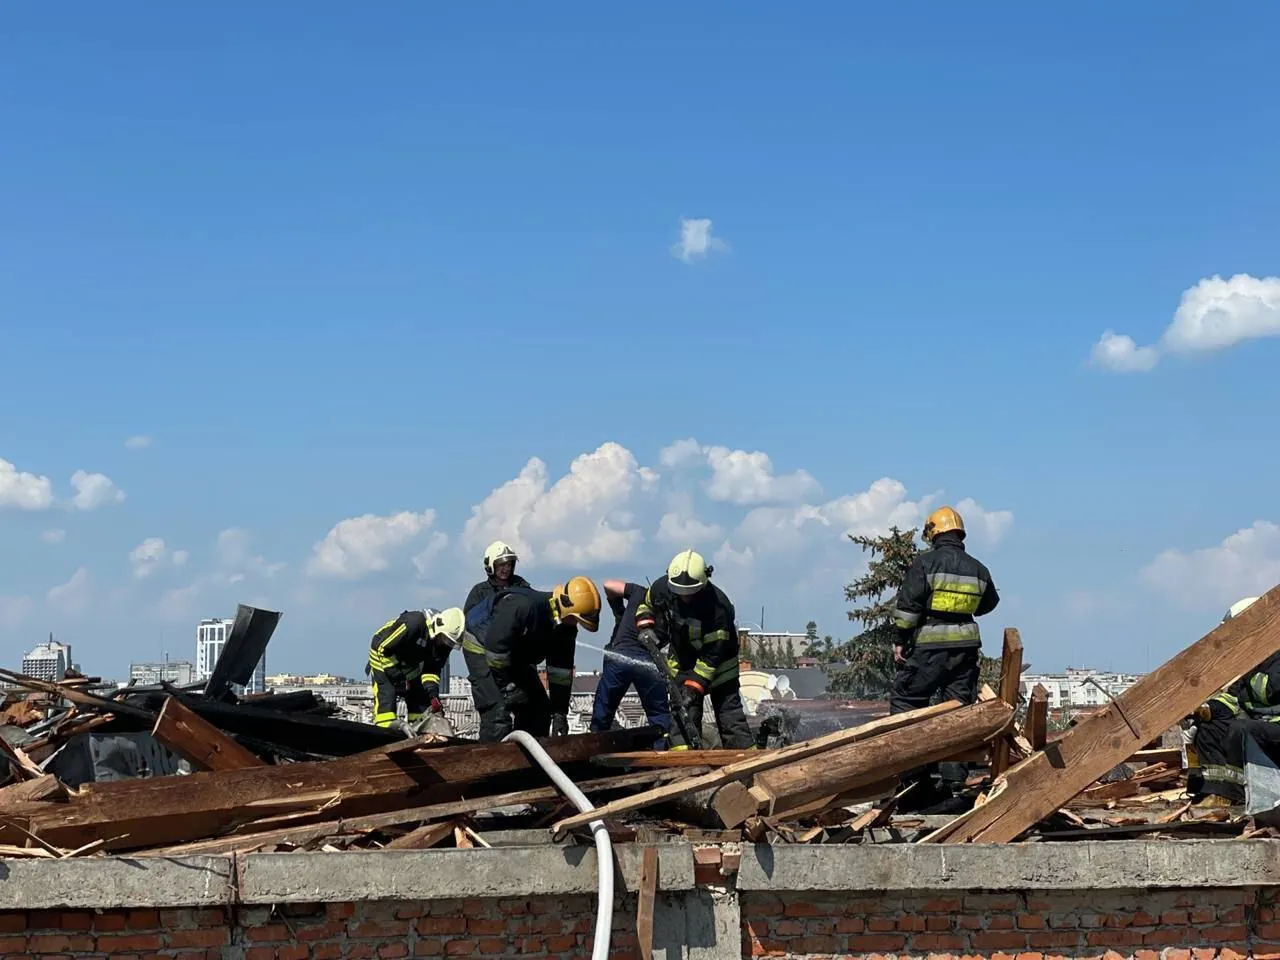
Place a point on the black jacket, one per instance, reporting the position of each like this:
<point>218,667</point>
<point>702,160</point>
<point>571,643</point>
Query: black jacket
<point>625,637</point>
<point>487,588</point>
<point>945,588</point>
<point>700,629</point>
<point>524,632</point>
<point>402,649</point>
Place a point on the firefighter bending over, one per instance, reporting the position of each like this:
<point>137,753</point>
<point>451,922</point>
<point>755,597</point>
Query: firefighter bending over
<point>515,631</point>
<point>694,619</point>
<point>406,656</point>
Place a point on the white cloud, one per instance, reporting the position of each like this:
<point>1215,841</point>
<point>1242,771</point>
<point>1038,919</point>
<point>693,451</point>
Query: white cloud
<point>739,476</point>
<point>696,241</point>
<point>26,491</point>
<point>53,536</point>
<point>1121,354</point>
<point>73,596</point>
<point>152,554</point>
<point>989,525</point>
<point>13,611</point>
<point>680,526</point>
<point>1245,564</point>
<point>139,442</point>
<point>584,517</point>
<point>359,546</point>
<point>234,563</point>
<point>94,490</point>
<point>1212,315</point>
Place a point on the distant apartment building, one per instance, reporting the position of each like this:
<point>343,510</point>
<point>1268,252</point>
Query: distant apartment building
<point>180,673</point>
<point>49,661</point>
<point>211,637</point>
<point>353,698</point>
<point>1079,687</point>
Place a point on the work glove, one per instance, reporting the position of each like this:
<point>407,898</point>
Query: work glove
<point>436,705</point>
<point>692,682</point>
<point>514,695</point>
<point>559,725</point>
<point>368,668</point>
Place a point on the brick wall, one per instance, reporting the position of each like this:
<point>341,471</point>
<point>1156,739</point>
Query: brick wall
<point>560,927</point>
<point>1200,924</point>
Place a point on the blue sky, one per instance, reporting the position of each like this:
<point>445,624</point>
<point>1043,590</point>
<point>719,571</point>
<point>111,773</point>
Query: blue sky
<point>350,265</point>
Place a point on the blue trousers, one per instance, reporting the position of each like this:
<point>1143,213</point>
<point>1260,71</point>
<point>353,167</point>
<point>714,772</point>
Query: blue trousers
<point>615,677</point>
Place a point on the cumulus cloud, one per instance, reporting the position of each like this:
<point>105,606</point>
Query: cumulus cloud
<point>1212,315</point>
<point>1245,564</point>
<point>138,442</point>
<point>234,562</point>
<point>73,596</point>
<point>25,491</point>
<point>151,555</point>
<point>584,517</point>
<point>988,525</point>
<point>94,490</point>
<point>739,476</point>
<point>53,536</point>
<point>696,241</point>
<point>359,546</point>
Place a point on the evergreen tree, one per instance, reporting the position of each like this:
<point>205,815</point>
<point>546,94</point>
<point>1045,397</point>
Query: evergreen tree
<point>790,658</point>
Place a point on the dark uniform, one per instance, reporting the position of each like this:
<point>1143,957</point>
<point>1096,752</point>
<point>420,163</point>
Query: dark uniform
<point>944,589</point>
<point>520,633</point>
<point>1209,767</point>
<point>488,587</point>
<point>405,662</point>
<point>633,666</point>
<point>1258,695</point>
<point>702,640</point>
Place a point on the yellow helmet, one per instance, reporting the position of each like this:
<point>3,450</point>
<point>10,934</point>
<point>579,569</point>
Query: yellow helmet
<point>687,573</point>
<point>448,625</point>
<point>942,520</point>
<point>580,600</point>
<point>1239,607</point>
<point>495,553</point>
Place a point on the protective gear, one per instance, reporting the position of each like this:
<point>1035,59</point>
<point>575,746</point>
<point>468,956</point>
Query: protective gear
<point>1239,607</point>
<point>687,573</point>
<point>559,725</point>
<point>436,705</point>
<point>449,626</point>
<point>495,553</point>
<point>943,591</point>
<point>405,663</point>
<point>942,520</point>
<point>580,600</point>
<point>694,682</point>
<point>514,694</point>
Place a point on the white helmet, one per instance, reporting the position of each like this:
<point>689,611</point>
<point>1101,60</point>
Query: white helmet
<point>495,553</point>
<point>447,625</point>
<point>687,573</point>
<point>1239,607</point>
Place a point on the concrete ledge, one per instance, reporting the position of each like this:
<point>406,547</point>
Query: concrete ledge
<point>112,882</point>
<point>1081,865</point>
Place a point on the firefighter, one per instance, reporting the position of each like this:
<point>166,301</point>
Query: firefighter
<point>628,663</point>
<point>406,656</point>
<point>515,630</point>
<point>938,647</point>
<point>694,619</point>
<point>499,571</point>
<point>1212,778</point>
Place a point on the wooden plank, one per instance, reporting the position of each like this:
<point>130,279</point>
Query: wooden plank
<point>423,837</point>
<point>1170,755</point>
<point>644,903</point>
<point>1154,704</point>
<point>667,759</point>
<point>45,787</point>
<point>846,768</point>
<point>304,833</point>
<point>174,810</point>
<point>1035,726</point>
<point>766,761</point>
<point>1010,677</point>
<point>23,767</point>
<point>203,745</point>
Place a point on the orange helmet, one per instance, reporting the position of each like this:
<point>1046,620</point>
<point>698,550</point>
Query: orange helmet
<point>940,521</point>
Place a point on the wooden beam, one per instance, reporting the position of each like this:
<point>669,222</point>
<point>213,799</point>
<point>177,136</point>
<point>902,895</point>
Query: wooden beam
<point>846,768</point>
<point>745,768</point>
<point>203,745</point>
<point>1010,678</point>
<point>644,903</point>
<point>667,759</point>
<point>1035,726</point>
<point>424,837</point>
<point>1049,779</point>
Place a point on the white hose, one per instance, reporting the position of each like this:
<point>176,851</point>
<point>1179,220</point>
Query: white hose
<point>604,847</point>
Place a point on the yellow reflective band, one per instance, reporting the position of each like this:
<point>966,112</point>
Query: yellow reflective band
<point>1227,700</point>
<point>954,601</point>
<point>497,660</point>
<point>431,678</point>
<point>942,633</point>
<point>704,669</point>
<point>414,717</point>
<point>395,634</point>
<point>471,645</point>
<point>683,746</point>
<point>1258,684</point>
<point>905,620</point>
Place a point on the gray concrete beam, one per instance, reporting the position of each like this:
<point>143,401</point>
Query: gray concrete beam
<point>107,883</point>
<point>1091,864</point>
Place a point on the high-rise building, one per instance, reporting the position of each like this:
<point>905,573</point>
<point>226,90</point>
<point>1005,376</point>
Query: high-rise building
<point>49,661</point>
<point>211,637</point>
<point>178,672</point>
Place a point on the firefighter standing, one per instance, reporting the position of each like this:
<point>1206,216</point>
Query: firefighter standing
<point>632,664</point>
<point>406,656</point>
<point>516,630</point>
<point>500,573</point>
<point>695,620</point>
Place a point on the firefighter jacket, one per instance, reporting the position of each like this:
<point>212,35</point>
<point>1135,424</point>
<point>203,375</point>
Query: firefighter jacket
<point>403,648</point>
<point>1258,691</point>
<point>700,629</point>
<point>487,588</point>
<point>523,631</point>
<point>944,589</point>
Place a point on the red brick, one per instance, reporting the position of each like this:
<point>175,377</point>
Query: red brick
<point>10,945</point>
<point>1167,937</point>
<point>1270,931</point>
<point>13,922</point>
<point>547,926</point>
<point>1233,915</point>
<point>942,906</point>
<point>109,923</point>
<point>1030,956</point>
<point>801,908</point>
<point>388,951</point>
<point>360,951</point>
<point>850,925</point>
<point>49,943</point>
<point>788,928</point>
<point>1204,953</point>
<point>937,943</point>
<point>1266,951</point>
<point>496,946</point>
<point>1177,955</point>
<point>528,945</point>
<point>1146,955</point>
<point>1031,921</point>
<point>1115,938</point>
<point>871,943</point>
<point>198,955</point>
<point>817,945</point>
<point>1057,938</point>
<point>328,951</point>
<point>1116,921</point>
<point>1226,953</point>
<point>297,951</point>
<point>1225,934</point>
<point>513,908</point>
<point>340,911</point>
<point>143,919</point>
<point>909,924</point>
<point>969,923</point>
<point>199,938</point>
<point>937,924</point>
<point>260,953</point>
<point>380,929</point>
<point>79,920</point>
<point>987,940</point>
<point>435,926</point>
<point>272,933</point>
<point>882,924</point>
<point>1001,922</point>
<point>1144,919</point>
<point>1175,918</point>
<point>1203,915</point>
<point>561,943</point>
<point>428,948</point>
